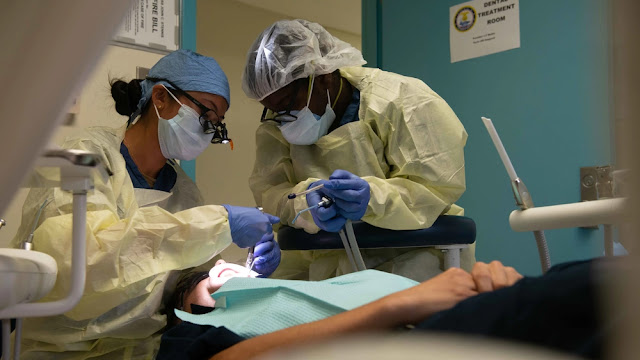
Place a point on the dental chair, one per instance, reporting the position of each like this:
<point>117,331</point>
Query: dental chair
<point>449,233</point>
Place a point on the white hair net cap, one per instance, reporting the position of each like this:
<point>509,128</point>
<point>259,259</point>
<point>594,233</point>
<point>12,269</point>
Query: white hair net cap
<point>290,50</point>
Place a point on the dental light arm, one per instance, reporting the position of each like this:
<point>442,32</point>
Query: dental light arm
<point>77,170</point>
<point>582,214</point>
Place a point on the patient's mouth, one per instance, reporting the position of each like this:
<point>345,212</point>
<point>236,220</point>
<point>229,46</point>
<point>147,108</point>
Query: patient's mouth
<point>226,270</point>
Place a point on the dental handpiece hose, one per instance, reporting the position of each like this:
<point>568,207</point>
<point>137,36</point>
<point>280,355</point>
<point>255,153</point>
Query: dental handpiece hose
<point>325,203</point>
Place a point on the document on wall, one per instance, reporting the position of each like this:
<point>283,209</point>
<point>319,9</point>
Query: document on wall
<point>483,27</point>
<point>151,24</point>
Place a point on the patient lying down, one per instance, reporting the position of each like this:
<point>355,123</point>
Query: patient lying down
<point>248,316</point>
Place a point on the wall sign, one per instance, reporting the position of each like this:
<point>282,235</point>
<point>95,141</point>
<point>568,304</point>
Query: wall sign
<point>151,25</point>
<point>483,27</point>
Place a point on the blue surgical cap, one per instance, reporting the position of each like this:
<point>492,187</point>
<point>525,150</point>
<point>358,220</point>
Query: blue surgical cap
<point>189,71</point>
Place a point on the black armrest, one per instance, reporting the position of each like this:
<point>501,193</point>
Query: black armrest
<point>446,230</point>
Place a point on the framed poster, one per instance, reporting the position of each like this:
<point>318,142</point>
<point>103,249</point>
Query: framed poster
<point>151,25</point>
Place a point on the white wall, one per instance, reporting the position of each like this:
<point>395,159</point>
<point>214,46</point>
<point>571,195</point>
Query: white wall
<point>226,29</point>
<point>335,14</point>
<point>95,107</point>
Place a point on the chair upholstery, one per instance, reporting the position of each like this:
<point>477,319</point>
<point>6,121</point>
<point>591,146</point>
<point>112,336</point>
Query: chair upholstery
<point>446,230</point>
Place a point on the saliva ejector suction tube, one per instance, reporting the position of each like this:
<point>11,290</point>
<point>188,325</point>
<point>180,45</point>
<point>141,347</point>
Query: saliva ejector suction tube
<point>520,193</point>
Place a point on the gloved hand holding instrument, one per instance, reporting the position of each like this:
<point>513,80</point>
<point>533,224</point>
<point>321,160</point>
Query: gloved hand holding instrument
<point>334,203</point>
<point>248,225</point>
<point>323,209</point>
<point>350,192</point>
<point>266,256</point>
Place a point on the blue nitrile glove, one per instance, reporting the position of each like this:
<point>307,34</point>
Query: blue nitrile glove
<point>249,224</point>
<point>350,192</point>
<point>267,256</point>
<point>327,219</point>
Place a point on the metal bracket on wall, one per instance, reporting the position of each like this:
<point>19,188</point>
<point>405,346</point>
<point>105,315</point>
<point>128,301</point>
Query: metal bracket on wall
<point>596,183</point>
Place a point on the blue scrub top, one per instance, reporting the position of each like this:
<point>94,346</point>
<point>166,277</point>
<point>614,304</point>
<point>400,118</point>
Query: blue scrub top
<point>164,182</point>
<point>351,113</point>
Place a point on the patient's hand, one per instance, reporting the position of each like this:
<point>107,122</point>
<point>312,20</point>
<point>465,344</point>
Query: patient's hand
<point>493,276</point>
<point>436,294</point>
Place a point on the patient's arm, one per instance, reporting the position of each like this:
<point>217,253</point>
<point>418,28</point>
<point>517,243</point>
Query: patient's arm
<point>405,307</point>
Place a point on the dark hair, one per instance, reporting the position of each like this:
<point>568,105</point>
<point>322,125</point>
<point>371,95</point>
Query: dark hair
<point>126,95</point>
<point>186,283</point>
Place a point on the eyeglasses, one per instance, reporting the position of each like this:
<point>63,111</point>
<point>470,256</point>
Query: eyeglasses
<point>211,124</point>
<point>283,116</point>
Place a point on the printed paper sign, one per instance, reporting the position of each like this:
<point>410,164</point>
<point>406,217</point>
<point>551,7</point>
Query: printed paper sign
<point>483,27</point>
<point>152,24</point>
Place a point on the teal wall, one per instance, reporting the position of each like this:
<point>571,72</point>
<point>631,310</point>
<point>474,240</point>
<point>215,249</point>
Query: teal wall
<point>188,41</point>
<point>549,100</point>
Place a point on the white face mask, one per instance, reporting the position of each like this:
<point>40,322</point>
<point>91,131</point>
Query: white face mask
<point>308,128</point>
<point>181,137</point>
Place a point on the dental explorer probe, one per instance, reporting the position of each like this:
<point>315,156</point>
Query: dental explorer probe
<point>250,257</point>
